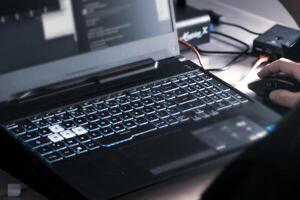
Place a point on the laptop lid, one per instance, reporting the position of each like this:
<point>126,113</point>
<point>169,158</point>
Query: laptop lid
<point>43,46</point>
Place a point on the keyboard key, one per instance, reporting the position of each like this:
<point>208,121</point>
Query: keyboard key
<point>28,125</point>
<point>163,114</point>
<point>71,142</point>
<point>185,99</point>
<point>53,157</point>
<point>126,116</point>
<point>79,149</point>
<point>77,113</point>
<point>224,95</point>
<point>68,134</point>
<point>158,98</point>
<point>89,110</point>
<point>152,117</point>
<point>54,119</point>
<point>115,120</point>
<point>80,121</point>
<point>118,128</point>
<point>29,136</point>
<point>215,90</point>
<point>18,130</point>
<point>39,142</point>
<point>198,86</point>
<point>133,97</point>
<point>207,92</point>
<point>82,131</point>
<point>190,89</point>
<point>103,123</point>
<point>112,104</point>
<point>106,131</point>
<point>148,110</point>
<point>56,128</point>
<point>104,114</point>
<point>95,134</point>
<point>181,83</point>
<point>137,113</point>
<point>126,135</point>
<point>122,100</point>
<point>169,87</point>
<point>42,123</point>
<point>140,121</point>
<point>224,104</point>
<point>65,117</point>
<point>83,138</point>
<point>44,132</point>
<point>58,146</point>
<point>192,105</point>
<point>160,123</point>
<point>233,101</point>
<point>148,102</point>
<point>55,137</point>
<point>129,124</point>
<point>171,120</point>
<point>92,118</point>
<point>159,106</point>
<point>92,145</point>
<point>216,98</point>
<point>180,92</point>
<point>44,150</point>
<point>170,103</point>
<point>67,152</point>
<point>126,108</point>
<point>173,111</point>
<point>137,105</point>
<point>208,100</point>
<point>114,111</point>
<point>182,117</point>
<point>207,84</point>
<point>101,107</point>
<point>68,124</point>
<point>144,94</point>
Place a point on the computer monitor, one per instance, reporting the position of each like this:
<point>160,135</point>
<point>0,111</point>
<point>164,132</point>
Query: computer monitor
<point>13,7</point>
<point>81,38</point>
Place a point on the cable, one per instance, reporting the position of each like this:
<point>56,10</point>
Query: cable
<point>194,49</point>
<point>197,51</point>
<point>241,27</point>
<point>240,54</point>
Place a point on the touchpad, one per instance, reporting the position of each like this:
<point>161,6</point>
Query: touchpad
<point>168,152</point>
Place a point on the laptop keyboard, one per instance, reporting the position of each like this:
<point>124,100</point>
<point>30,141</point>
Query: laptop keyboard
<point>110,120</point>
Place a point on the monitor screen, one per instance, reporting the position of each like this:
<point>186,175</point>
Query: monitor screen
<point>16,7</point>
<point>68,28</point>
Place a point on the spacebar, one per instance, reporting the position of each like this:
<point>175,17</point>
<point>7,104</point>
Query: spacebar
<point>126,135</point>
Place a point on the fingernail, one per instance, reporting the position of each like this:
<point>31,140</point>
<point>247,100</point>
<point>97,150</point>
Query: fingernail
<point>272,95</point>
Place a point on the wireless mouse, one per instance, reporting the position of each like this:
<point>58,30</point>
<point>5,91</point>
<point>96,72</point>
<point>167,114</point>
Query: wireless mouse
<point>266,85</point>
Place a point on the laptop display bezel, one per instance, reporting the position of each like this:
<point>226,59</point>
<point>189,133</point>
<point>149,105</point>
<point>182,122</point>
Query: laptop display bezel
<point>30,78</point>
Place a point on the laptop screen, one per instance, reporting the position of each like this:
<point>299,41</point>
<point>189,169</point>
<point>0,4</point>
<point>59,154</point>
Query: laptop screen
<point>37,31</point>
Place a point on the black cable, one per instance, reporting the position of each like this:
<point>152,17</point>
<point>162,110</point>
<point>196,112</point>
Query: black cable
<point>240,54</point>
<point>241,27</point>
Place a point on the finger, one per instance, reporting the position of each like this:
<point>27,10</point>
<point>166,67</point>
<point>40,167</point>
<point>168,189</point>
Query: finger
<point>289,68</point>
<point>285,98</point>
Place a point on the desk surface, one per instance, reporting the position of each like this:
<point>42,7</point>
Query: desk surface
<point>190,186</point>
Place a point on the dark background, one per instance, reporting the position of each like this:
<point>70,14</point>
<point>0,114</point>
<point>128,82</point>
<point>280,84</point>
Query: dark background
<point>10,7</point>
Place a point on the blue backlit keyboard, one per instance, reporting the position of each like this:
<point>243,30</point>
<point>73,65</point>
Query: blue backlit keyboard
<point>110,120</point>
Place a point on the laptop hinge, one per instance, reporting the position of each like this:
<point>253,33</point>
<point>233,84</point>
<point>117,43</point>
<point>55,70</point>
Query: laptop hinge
<point>105,77</point>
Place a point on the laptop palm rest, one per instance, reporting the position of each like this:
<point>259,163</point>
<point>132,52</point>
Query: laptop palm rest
<point>168,152</point>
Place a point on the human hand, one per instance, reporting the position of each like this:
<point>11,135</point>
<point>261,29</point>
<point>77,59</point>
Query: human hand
<point>283,66</point>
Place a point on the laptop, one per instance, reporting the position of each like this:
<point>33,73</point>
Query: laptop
<point>106,105</point>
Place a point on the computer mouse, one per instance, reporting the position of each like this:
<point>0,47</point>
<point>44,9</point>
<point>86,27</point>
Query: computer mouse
<point>265,86</point>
